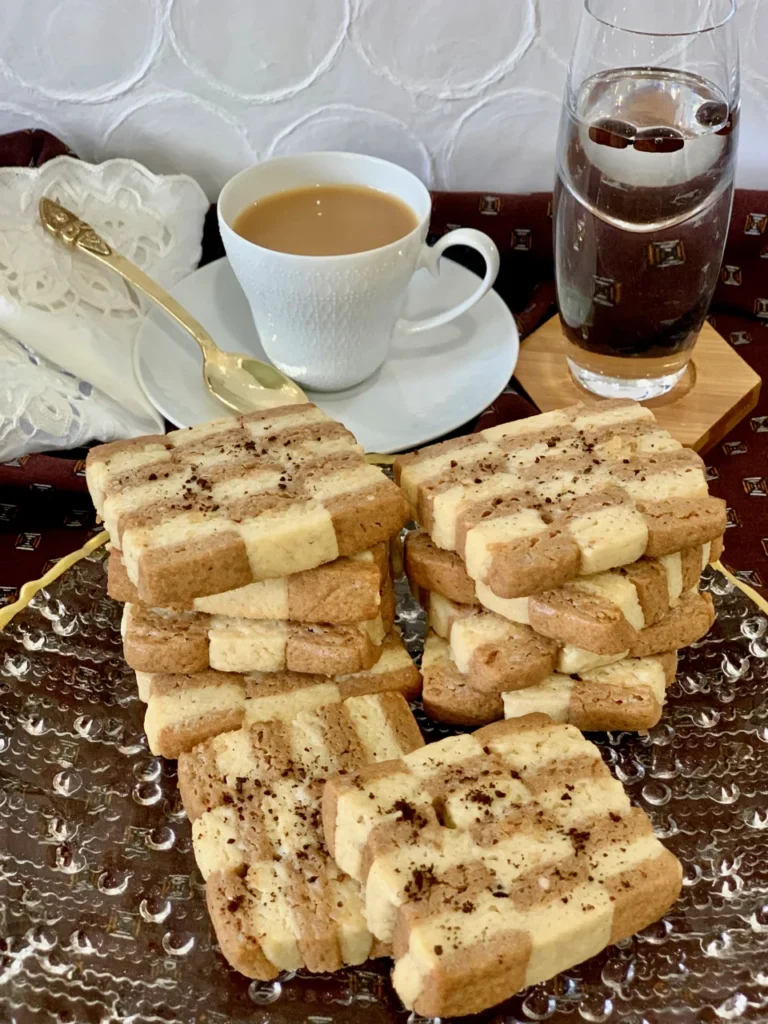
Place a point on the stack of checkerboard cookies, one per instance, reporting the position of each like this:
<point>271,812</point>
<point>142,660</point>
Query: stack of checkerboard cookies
<point>252,557</point>
<point>559,559</point>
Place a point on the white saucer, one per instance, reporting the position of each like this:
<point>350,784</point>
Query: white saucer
<point>431,383</point>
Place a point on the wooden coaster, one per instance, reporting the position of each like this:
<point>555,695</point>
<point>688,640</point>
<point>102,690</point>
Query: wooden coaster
<point>717,390</point>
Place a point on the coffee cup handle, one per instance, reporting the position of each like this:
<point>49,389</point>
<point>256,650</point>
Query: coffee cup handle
<point>430,258</point>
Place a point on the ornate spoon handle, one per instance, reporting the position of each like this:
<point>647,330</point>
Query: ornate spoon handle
<point>69,229</point>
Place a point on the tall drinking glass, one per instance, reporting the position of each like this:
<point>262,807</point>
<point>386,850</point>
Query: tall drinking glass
<point>645,164</point>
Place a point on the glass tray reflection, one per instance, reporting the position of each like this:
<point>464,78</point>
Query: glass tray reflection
<point>102,917</point>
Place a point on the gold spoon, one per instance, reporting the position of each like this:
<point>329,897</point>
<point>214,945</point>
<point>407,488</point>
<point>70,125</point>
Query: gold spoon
<point>239,381</point>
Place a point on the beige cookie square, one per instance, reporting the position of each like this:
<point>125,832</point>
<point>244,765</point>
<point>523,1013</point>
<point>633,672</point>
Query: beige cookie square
<point>605,614</point>
<point>495,860</point>
<point>495,655</point>
<point>345,591</point>
<point>235,501</point>
<point>531,505</point>
<point>160,640</point>
<point>624,695</point>
<point>276,898</point>
<point>183,710</point>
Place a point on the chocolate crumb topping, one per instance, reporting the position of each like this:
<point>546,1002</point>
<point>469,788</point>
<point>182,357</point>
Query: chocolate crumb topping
<point>406,811</point>
<point>477,796</point>
<point>422,879</point>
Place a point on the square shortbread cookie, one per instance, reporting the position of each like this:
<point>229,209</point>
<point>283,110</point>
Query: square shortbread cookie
<point>159,640</point>
<point>532,504</point>
<point>276,899</point>
<point>601,613</point>
<point>347,590</point>
<point>218,506</point>
<point>494,860</point>
<point>183,710</point>
<point>627,694</point>
<point>495,655</point>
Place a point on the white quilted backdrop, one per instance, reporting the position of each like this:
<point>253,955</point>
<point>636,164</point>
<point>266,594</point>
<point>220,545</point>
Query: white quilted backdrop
<point>464,92</point>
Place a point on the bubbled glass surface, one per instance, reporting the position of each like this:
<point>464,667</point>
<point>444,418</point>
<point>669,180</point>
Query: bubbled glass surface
<point>102,914</point>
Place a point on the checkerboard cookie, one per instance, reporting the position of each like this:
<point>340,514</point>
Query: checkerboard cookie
<point>531,505</point>
<point>218,506</point>
<point>497,655</point>
<point>627,694</point>
<point>158,640</point>
<point>183,710</point>
<point>345,591</point>
<point>603,613</point>
<point>276,899</point>
<point>495,860</point>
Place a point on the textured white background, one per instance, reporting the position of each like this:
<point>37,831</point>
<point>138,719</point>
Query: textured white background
<point>466,93</point>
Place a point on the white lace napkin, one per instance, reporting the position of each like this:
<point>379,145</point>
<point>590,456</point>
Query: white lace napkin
<point>67,325</point>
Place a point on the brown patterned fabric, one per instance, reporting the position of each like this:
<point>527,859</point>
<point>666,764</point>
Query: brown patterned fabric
<point>31,148</point>
<point>45,512</point>
<point>44,508</point>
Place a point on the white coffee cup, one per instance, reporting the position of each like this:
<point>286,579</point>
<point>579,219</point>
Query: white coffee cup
<point>327,321</point>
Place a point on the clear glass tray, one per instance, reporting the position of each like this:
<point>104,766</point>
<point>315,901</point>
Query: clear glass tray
<point>102,914</point>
